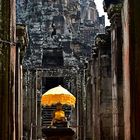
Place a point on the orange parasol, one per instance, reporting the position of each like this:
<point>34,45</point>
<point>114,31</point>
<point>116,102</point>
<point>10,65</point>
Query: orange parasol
<point>58,95</point>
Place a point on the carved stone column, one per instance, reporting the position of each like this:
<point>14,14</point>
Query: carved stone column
<point>7,69</point>
<point>114,13</point>
<point>21,44</point>
<point>38,102</point>
<point>131,65</point>
<point>103,93</point>
<point>80,107</point>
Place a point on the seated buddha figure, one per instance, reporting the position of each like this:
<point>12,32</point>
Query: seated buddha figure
<point>59,118</point>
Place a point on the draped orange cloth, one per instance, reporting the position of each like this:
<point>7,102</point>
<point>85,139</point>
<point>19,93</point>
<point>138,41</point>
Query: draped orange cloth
<point>59,115</point>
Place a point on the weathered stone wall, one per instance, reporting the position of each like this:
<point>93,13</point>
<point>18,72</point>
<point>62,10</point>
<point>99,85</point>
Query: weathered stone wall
<point>113,9</point>
<point>99,91</point>
<point>131,42</point>
<point>102,91</point>
<point>126,71</point>
<point>130,67</point>
<point>105,91</point>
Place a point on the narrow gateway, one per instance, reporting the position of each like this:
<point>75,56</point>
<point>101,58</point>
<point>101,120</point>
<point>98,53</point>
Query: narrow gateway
<point>59,128</point>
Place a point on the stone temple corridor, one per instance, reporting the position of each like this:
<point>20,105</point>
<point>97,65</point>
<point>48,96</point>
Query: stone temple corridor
<point>47,43</point>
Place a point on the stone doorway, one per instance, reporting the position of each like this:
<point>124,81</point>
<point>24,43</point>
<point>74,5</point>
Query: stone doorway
<point>51,82</point>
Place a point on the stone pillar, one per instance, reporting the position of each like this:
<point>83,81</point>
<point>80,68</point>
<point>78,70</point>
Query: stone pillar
<point>80,109</point>
<point>38,101</point>
<point>7,69</point>
<point>31,125</point>
<point>95,110</point>
<point>131,65</point>
<point>34,105</point>
<point>21,44</point>
<point>103,94</point>
<point>117,78</point>
<point>21,103</point>
<point>89,103</point>
<point>27,112</point>
<point>95,97</point>
<point>17,92</point>
<point>114,13</point>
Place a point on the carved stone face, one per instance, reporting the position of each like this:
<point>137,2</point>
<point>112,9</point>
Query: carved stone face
<point>59,106</point>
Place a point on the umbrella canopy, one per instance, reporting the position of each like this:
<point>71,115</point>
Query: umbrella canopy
<point>58,95</point>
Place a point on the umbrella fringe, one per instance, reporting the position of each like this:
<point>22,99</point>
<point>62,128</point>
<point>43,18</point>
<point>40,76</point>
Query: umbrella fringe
<point>48,100</point>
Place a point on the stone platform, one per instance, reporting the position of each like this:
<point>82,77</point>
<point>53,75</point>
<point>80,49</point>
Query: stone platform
<point>58,133</point>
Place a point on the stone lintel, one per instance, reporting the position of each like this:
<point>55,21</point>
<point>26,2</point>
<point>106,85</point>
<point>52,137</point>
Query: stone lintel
<point>57,72</point>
